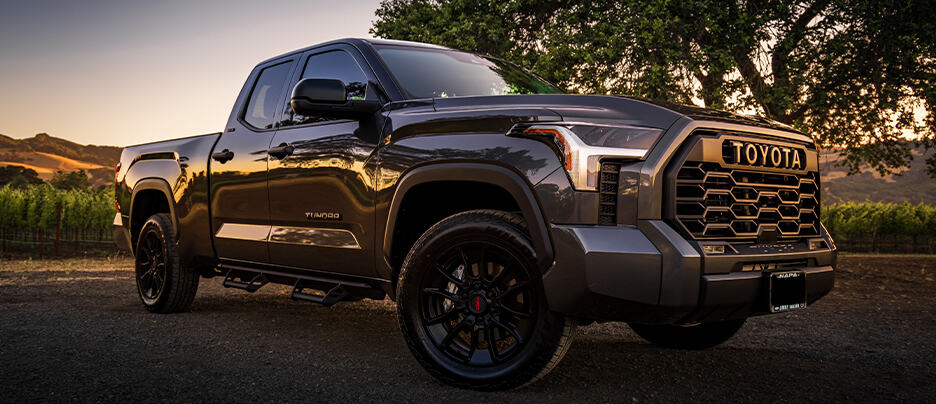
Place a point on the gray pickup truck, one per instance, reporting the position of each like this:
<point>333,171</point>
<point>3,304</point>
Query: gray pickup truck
<point>497,211</point>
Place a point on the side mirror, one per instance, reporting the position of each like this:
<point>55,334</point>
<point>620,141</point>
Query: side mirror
<point>329,97</point>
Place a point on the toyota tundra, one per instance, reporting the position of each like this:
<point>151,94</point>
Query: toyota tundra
<point>496,210</point>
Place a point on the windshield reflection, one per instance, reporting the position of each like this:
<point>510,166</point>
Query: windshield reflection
<point>438,73</point>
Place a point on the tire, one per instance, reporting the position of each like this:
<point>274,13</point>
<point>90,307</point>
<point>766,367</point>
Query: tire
<point>697,336</point>
<point>481,330</point>
<point>163,284</point>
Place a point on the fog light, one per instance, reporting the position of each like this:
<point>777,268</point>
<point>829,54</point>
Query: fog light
<point>816,244</point>
<point>713,249</point>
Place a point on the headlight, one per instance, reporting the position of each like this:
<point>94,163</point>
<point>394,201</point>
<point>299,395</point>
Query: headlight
<point>581,147</point>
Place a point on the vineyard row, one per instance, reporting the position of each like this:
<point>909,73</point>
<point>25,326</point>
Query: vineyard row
<point>37,214</point>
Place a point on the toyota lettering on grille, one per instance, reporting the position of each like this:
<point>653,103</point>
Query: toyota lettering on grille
<point>764,155</point>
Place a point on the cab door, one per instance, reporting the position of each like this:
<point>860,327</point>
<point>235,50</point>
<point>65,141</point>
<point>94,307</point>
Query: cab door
<point>240,211</point>
<point>321,176</point>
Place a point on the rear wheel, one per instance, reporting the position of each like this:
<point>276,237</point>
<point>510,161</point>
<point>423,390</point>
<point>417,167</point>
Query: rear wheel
<point>471,304</point>
<point>696,336</point>
<point>164,285</point>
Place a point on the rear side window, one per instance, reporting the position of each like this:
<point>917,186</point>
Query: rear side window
<point>261,107</point>
<point>331,65</point>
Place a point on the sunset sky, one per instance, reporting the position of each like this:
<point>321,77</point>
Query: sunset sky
<point>128,71</point>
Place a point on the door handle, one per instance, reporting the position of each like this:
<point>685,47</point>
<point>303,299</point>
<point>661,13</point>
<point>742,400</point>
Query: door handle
<point>223,156</point>
<point>281,151</point>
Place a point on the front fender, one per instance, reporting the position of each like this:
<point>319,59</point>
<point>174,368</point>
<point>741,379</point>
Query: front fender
<point>488,173</point>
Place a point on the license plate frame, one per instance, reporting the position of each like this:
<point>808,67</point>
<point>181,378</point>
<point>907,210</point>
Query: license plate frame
<point>787,290</point>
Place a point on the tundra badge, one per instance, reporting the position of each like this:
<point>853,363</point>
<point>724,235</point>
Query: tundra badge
<point>323,215</point>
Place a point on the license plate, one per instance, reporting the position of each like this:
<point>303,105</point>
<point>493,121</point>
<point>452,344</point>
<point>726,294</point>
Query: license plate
<point>787,290</point>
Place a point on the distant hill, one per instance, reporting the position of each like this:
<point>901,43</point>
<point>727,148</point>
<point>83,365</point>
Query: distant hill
<point>45,154</point>
<point>912,184</point>
<point>101,155</point>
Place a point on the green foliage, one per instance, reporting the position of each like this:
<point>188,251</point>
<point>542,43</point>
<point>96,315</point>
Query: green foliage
<point>19,182</point>
<point>36,207</point>
<point>18,176</point>
<point>850,72</point>
<point>70,180</point>
<point>868,220</point>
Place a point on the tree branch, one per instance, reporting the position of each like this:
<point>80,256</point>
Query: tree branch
<point>781,53</point>
<point>794,35</point>
<point>798,112</point>
<point>755,82</point>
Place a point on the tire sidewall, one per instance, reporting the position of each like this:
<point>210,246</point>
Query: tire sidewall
<point>417,265</point>
<point>157,224</point>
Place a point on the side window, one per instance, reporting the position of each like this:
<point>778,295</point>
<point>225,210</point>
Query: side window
<point>261,107</point>
<point>335,64</point>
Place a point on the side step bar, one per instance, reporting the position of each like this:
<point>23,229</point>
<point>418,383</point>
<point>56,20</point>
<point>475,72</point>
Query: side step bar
<point>334,295</point>
<point>238,281</point>
<point>336,290</point>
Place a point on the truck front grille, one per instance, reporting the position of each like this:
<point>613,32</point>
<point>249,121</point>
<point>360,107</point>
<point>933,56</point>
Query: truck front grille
<point>713,202</point>
<point>607,193</point>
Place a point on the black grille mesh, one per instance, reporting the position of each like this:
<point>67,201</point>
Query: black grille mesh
<point>713,202</point>
<point>607,193</point>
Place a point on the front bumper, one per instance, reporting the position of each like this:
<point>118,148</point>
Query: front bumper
<point>121,234</point>
<point>649,273</point>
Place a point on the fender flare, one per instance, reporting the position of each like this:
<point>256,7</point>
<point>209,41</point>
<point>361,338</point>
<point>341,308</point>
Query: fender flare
<point>160,185</point>
<point>492,174</point>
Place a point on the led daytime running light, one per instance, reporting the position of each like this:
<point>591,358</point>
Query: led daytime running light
<point>581,155</point>
<point>560,141</point>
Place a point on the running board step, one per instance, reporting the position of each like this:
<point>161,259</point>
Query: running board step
<point>335,289</point>
<point>334,295</point>
<point>249,281</point>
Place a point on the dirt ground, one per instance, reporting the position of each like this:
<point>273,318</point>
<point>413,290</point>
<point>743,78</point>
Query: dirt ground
<point>74,330</point>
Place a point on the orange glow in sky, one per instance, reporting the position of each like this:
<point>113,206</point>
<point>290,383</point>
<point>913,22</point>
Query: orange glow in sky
<point>126,72</point>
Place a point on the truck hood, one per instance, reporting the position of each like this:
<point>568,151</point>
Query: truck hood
<point>602,108</point>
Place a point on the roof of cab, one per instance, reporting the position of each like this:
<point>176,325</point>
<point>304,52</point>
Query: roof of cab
<point>356,41</point>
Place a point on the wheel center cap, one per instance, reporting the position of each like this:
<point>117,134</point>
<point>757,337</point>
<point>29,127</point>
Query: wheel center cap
<point>477,303</point>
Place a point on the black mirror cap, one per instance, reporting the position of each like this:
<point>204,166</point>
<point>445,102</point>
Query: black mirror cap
<point>320,91</point>
<point>328,97</point>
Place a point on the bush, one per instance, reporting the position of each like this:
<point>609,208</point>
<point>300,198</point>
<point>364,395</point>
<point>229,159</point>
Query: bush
<point>70,180</point>
<point>873,220</point>
<point>36,208</point>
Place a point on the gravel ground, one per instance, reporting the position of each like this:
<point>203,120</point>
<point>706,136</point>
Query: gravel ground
<point>74,330</point>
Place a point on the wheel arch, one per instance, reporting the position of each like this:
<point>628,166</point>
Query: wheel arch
<point>150,196</point>
<point>483,173</point>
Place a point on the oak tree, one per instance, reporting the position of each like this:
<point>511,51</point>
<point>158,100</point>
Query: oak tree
<point>856,74</point>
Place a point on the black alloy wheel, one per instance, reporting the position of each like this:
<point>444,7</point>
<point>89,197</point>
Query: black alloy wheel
<point>164,285</point>
<point>471,304</point>
<point>151,266</point>
<point>477,307</point>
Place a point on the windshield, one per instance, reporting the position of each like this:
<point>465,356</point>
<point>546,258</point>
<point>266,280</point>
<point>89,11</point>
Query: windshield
<point>433,73</point>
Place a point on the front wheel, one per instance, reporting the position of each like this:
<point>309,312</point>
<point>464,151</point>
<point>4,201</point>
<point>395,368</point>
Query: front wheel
<point>472,308</point>
<point>696,336</point>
